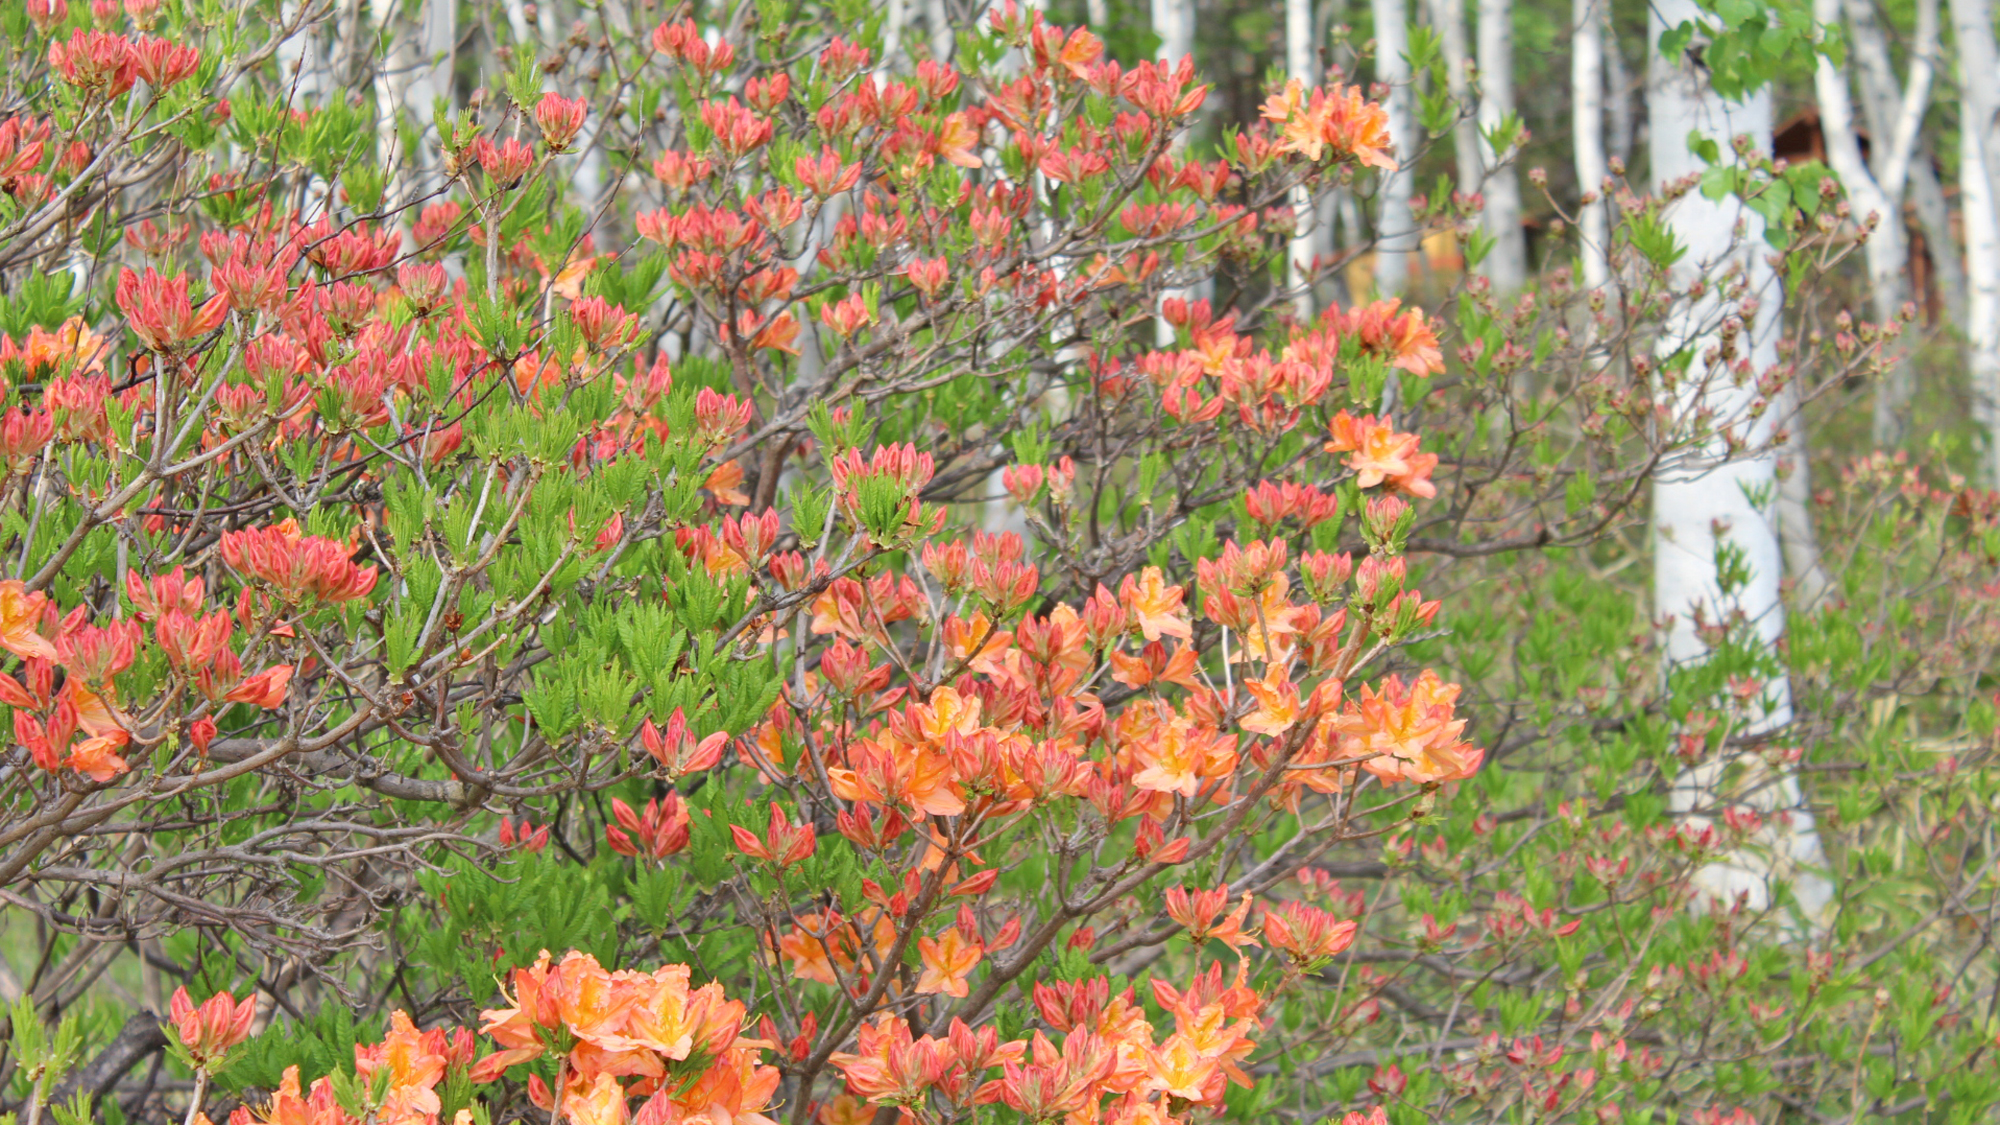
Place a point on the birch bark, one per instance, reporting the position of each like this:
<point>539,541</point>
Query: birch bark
<point>1979,100</point>
<point>1507,264</point>
<point>1703,499</point>
<point>1396,233</point>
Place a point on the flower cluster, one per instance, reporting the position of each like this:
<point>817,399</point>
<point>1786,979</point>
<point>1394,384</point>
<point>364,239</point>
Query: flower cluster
<point>680,1044</point>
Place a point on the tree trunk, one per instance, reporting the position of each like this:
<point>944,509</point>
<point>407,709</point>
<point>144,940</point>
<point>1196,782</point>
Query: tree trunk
<point>1506,264</point>
<point>1893,117</point>
<point>1895,112</point>
<point>1972,28</point>
<point>1940,241</point>
<point>1300,67</point>
<point>1884,248</point>
<point>1587,125</point>
<point>1810,583</point>
<point>1173,22</point>
<point>944,41</point>
<point>391,89</point>
<point>1395,228</point>
<point>1702,498</point>
<point>1448,16</point>
<point>1617,90</point>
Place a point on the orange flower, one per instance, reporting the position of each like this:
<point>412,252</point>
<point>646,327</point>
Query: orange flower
<point>20,613</point>
<point>288,1107</point>
<point>1277,702</point>
<point>726,484</point>
<point>1342,120</point>
<point>1306,933</point>
<point>72,349</point>
<point>97,758</point>
<point>890,771</point>
<point>1377,453</point>
<point>956,139</point>
<point>1155,605</point>
<point>846,1109</point>
<point>947,712</point>
<point>819,944</point>
<point>947,959</point>
<point>601,1102</point>
<point>1178,1070</point>
<point>413,1072</point>
<point>1411,731</point>
<point>1176,757</point>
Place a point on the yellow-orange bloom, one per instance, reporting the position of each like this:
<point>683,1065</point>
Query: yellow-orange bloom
<point>413,1070</point>
<point>1410,731</point>
<point>1341,120</point>
<point>20,613</point>
<point>1277,702</point>
<point>947,960</point>
<point>1178,1069</point>
<point>1155,605</point>
<point>1377,453</point>
<point>1176,757</point>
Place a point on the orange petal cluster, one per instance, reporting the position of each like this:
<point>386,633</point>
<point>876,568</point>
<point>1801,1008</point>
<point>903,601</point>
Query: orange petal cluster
<point>1341,121</point>
<point>1378,454</point>
<point>1408,732</point>
<point>652,1027</point>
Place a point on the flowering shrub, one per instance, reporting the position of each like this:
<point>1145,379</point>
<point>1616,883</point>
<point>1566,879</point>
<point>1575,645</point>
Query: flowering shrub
<point>884,609</point>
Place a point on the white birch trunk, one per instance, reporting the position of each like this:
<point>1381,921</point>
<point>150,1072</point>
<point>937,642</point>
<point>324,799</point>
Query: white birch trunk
<point>1700,493</point>
<point>1972,28</point>
<point>1617,92</point>
<point>1173,22</point>
<point>1872,203</point>
<point>892,35</point>
<point>1810,583</point>
<point>1396,233</point>
<point>1300,67</point>
<point>1448,16</point>
<point>1506,265</point>
<point>1896,112</point>
<point>937,22</point>
<point>1586,81</point>
<point>391,89</point>
<point>1879,190</point>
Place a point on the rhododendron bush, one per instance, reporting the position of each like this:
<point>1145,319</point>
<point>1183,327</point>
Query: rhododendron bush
<point>729,572</point>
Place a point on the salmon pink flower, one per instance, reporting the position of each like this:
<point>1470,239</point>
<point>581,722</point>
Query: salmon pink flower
<point>161,313</point>
<point>783,844</point>
<point>302,566</point>
<point>560,119</point>
<point>661,832</point>
<point>208,1032</point>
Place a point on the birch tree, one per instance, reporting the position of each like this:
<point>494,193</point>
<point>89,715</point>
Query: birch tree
<point>1506,265</point>
<point>1448,16</point>
<point>1300,67</point>
<point>1877,191</point>
<point>1888,111</point>
<point>1587,126</point>
<point>1396,234</point>
<point>1979,100</point>
<point>1710,505</point>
